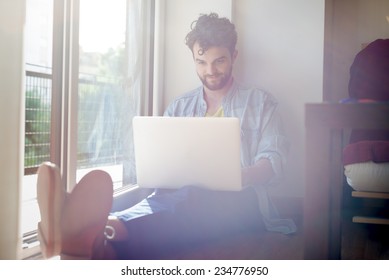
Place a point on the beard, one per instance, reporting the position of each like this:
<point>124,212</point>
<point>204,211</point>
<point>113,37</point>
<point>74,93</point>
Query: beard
<point>216,81</point>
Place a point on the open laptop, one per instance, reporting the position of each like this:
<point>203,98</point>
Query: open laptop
<point>172,152</point>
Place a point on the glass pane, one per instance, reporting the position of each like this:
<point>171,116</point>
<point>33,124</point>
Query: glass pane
<point>38,65</point>
<point>39,36</point>
<point>102,113</point>
<point>38,58</point>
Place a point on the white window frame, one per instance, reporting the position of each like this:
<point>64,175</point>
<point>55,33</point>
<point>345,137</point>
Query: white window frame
<point>65,78</point>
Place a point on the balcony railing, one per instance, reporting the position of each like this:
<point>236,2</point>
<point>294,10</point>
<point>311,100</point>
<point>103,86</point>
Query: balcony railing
<point>98,126</point>
<point>37,120</point>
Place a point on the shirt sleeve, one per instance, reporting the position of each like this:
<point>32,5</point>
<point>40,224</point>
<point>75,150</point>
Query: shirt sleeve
<point>273,144</point>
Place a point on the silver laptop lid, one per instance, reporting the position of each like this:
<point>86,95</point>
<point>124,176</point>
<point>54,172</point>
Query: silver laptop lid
<point>172,152</point>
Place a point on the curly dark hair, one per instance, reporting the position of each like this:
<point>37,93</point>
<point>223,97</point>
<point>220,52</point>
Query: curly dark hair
<point>212,31</point>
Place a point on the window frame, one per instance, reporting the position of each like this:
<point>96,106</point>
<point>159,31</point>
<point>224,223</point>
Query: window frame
<point>65,79</point>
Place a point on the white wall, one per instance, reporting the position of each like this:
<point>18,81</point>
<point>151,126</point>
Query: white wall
<point>280,44</point>
<point>373,20</point>
<point>352,23</point>
<point>281,50</point>
<point>12,14</point>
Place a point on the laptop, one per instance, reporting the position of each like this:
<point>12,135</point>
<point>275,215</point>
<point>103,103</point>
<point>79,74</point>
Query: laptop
<point>173,152</point>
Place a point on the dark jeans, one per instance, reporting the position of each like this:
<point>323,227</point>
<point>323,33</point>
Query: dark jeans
<point>174,220</point>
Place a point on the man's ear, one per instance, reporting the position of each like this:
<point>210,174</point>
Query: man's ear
<point>234,55</point>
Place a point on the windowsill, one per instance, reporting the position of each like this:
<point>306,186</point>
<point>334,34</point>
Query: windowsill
<point>128,197</point>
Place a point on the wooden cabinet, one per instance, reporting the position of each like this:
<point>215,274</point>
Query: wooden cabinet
<point>325,125</point>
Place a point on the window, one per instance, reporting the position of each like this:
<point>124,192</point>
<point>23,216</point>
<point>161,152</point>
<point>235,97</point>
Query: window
<point>87,75</point>
<point>38,105</point>
<point>104,107</point>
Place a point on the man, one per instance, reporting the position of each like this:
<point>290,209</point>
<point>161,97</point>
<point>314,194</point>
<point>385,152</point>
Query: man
<point>169,220</point>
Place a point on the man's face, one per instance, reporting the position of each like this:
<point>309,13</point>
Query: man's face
<point>214,66</point>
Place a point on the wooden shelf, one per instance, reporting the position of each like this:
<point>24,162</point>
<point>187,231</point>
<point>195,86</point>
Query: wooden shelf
<point>377,195</point>
<point>370,220</point>
<point>325,125</point>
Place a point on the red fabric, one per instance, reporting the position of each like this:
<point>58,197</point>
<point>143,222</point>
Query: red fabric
<point>369,81</point>
<point>369,72</point>
<point>363,151</point>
